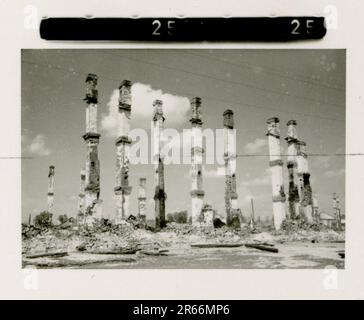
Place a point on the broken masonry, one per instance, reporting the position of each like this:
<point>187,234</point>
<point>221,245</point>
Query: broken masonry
<point>122,188</point>
<point>142,199</point>
<point>197,192</point>
<point>231,197</point>
<point>301,201</point>
<point>81,196</point>
<point>304,185</point>
<point>93,203</point>
<point>50,194</point>
<point>293,193</point>
<point>276,168</point>
<point>158,158</point>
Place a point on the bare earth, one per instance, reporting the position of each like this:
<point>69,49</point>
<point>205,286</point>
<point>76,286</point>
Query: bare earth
<point>297,250</point>
<point>292,256</point>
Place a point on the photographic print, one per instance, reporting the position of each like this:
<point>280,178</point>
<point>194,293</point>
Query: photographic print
<point>183,158</point>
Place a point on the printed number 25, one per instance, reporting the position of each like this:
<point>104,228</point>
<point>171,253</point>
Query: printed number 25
<point>158,24</point>
<point>296,24</point>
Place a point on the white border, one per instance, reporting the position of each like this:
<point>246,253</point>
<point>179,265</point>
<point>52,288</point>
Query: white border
<point>178,284</point>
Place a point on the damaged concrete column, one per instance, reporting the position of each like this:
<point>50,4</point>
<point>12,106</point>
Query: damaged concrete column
<point>293,194</point>
<point>197,193</point>
<point>50,194</point>
<point>304,186</point>
<point>122,188</point>
<point>159,195</point>
<point>142,199</point>
<point>81,195</point>
<point>315,208</point>
<point>231,197</point>
<point>337,210</point>
<point>93,203</point>
<point>276,167</point>
<point>208,215</point>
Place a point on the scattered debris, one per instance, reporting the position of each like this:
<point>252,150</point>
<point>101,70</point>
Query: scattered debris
<point>266,244</point>
<point>154,252</point>
<point>261,247</point>
<point>77,260</point>
<point>115,251</point>
<point>341,253</point>
<point>47,254</point>
<point>294,225</point>
<point>216,245</point>
<point>218,223</point>
<point>107,242</point>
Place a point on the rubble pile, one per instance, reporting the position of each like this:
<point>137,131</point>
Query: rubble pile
<point>301,230</point>
<point>295,225</point>
<point>29,231</point>
<point>222,234</point>
<point>129,238</point>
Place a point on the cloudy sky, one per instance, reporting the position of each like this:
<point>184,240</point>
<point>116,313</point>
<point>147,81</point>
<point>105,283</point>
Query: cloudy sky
<point>305,85</point>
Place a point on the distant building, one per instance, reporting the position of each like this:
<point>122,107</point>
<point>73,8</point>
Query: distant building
<point>342,221</point>
<point>328,220</point>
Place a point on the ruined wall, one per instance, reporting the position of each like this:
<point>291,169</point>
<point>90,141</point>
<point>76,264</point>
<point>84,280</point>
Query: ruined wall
<point>304,185</point>
<point>159,194</point>
<point>276,168</point>
<point>50,194</point>
<point>315,208</point>
<point>92,180</point>
<point>122,188</point>
<point>81,195</point>
<point>92,203</point>
<point>293,192</point>
<point>231,196</point>
<point>142,199</point>
<point>207,216</point>
<point>197,193</point>
<point>91,118</point>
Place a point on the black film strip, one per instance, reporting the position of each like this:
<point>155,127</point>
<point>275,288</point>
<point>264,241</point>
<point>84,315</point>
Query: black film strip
<point>183,29</point>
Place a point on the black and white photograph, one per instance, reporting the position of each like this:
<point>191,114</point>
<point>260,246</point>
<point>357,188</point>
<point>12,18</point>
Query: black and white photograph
<point>183,158</point>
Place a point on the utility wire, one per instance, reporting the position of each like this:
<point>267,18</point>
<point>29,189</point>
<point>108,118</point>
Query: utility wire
<point>308,154</point>
<point>224,80</point>
<point>230,102</point>
<point>267,70</point>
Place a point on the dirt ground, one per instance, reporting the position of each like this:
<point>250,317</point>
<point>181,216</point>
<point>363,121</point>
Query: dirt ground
<point>130,247</point>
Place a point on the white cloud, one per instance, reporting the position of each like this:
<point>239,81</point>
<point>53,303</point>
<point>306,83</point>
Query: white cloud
<point>214,173</point>
<point>38,146</point>
<point>109,121</point>
<point>331,173</point>
<point>175,108</point>
<point>258,181</point>
<point>256,146</point>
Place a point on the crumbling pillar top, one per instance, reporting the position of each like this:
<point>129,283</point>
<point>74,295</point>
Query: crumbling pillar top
<point>158,110</point>
<point>91,88</point>
<point>196,115</point>
<point>125,83</point>
<point>273,127</point>
<point>273,120</point>
<point>92,78</point>
<point>228,119</point>
<point>292,123</point>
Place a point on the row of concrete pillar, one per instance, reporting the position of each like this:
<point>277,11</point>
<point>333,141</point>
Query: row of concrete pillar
<point>90,205</point>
